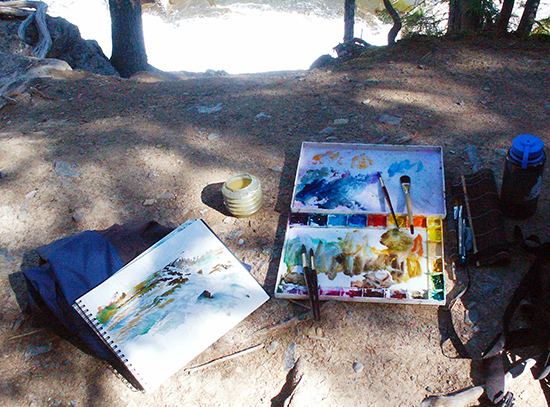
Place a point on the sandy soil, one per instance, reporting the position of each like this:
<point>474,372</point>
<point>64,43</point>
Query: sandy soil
<point>84,152</point>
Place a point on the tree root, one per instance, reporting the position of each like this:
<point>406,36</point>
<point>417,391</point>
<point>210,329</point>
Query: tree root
<point>21,8</point>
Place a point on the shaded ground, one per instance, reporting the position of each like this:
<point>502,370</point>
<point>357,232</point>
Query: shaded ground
<point>84,152</point>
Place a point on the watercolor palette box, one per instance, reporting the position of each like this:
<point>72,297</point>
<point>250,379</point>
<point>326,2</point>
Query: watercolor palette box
<point>339,211</point>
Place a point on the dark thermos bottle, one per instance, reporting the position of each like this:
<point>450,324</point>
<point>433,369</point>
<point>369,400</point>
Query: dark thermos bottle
<point>522,177</point>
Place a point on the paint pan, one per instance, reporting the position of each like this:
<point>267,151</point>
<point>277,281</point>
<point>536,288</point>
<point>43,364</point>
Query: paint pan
<point>298,218</point>
<point>339,210</point>
<point>242,195</point>
<point>357,221</point>
<point>318,220</point>
<point>377,220</point>
<point>337,220</point>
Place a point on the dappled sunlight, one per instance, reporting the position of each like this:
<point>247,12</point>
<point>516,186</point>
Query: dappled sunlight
<point>459,111</point>
<point>22,162</point>
<point>138,151</point>
<point>20,154</point>
<point>436,103</point>
<point>159,160</point>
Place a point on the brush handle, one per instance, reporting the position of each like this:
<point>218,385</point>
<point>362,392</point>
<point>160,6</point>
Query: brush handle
<point>408,201</point>
<point>387,195</point>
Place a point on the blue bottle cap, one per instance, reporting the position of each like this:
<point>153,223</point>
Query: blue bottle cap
<point>527,149</point>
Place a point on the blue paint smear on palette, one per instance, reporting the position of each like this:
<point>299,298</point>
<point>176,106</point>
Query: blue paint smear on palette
<point>357,221</point>
<point>337,220</point>
<point>404,166</point>
<point>330,189</point>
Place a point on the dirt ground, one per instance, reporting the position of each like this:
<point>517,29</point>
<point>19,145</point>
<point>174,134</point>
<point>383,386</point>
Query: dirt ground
<point>84,152</point>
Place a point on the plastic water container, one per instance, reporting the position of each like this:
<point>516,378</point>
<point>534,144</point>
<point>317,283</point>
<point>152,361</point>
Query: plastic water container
<point>242,195</point>
<point>522,177</point>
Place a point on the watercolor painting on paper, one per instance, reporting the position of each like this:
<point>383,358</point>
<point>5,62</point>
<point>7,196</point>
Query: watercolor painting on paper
<point>181,292</point>
<point>166,307</point>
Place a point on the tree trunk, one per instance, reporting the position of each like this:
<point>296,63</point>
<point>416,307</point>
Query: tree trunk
<point>465,16</point>
<point>528,18</point>
<point>349,19</point>
<point>128,56</point>
<point>456,9</point>
<point>501,25</point>
<point>472,16</point>
<point>396,22</point>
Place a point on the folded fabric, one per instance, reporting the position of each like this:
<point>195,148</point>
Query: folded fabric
<point>72,266</point>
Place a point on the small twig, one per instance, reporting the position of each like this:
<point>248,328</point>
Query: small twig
<point>322,338</point>
<point>286,324</point>
<point>295,302</point>
<point>32,89</point>
<point>224,358</point>
<point>11,100</point>
<point>425,55</point>
<point>26,334</point>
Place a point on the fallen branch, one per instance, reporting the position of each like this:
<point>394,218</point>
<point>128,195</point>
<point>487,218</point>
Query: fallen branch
<point>285,396</point>
<point>224,358</point>
<point>459,399</point>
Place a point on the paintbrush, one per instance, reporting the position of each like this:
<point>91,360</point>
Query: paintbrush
<point>315,286</point>
<point>310,275</point>
<point>387,195</point>
<point>406,184</point>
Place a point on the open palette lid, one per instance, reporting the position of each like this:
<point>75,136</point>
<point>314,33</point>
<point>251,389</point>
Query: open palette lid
<point>342,178</point>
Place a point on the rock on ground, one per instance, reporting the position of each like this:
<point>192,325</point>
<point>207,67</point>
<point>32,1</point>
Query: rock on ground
<point>67,45</point>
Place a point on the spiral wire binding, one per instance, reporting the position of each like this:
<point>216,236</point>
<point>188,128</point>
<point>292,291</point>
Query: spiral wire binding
<point>103,334</point>
<point>121,377</point>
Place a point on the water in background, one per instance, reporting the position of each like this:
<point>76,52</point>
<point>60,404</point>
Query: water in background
<point>237,36</point>
<point>242,36</point>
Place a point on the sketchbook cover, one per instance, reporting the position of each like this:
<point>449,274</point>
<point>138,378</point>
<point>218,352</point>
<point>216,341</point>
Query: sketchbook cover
<point>171,303</point>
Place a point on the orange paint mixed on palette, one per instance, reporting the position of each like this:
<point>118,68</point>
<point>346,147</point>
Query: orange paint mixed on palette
<point>360,253</point>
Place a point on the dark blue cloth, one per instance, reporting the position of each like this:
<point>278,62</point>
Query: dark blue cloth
<point>73,267</point>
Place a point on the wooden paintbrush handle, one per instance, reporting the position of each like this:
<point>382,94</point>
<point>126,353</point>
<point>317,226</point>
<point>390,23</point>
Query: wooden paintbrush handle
<point>408,200</point>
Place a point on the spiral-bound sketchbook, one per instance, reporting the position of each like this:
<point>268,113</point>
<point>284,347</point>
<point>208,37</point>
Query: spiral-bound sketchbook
<point>171,303</point>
